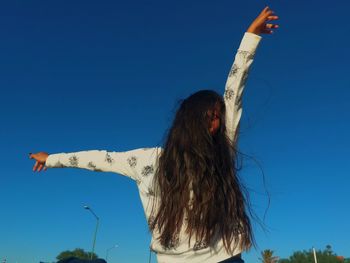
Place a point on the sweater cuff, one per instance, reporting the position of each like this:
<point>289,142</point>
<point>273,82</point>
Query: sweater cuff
<point>250,42</point>
<point>52,161</point>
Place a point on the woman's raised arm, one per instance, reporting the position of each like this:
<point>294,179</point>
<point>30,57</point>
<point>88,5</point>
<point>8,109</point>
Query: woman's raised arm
<point>239,72</point>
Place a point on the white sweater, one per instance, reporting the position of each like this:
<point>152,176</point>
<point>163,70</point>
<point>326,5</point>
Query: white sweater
<point>140,164</point>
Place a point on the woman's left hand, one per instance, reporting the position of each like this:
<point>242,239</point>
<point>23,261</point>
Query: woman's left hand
<point>260,25</point>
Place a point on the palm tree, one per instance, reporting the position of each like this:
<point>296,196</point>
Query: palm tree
<point>268,257</point>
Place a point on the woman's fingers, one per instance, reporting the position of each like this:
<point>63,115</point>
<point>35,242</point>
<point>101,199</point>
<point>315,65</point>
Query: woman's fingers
<point>40,167</point>
<point>269,26</point>
<point>35,166</point>
<point>267,12</point>
<point>266,9</point>
<point>269,16</point>
<point>272,17</point>
<point>267,31</point>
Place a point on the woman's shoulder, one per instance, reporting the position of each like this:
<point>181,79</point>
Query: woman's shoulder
<point>150,151</point>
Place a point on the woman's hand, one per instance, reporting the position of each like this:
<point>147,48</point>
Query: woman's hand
<point>260,25</point>
<point>40,159</point>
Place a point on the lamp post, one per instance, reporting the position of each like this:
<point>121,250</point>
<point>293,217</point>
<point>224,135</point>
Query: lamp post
<point>315,257</point>
<point>97,222</point>
<point>107,251</point>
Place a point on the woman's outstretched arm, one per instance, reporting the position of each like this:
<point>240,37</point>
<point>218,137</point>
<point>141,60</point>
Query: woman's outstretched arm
<point>134,164</point>
<point>239,72</point>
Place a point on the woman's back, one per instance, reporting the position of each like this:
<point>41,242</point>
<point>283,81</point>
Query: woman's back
<point>141,165</point>
<point>189,190</point>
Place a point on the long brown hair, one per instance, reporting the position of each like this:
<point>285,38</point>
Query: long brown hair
<point>194,159</point>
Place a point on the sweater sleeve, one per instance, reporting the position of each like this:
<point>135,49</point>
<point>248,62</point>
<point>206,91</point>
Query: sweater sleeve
<point>236,81</point>
<point>134,164</point>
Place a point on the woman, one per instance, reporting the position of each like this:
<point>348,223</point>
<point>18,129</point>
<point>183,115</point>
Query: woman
<point>189,189</point>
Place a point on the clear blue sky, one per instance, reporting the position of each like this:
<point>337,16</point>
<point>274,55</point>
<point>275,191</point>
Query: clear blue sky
<point>80,75</point>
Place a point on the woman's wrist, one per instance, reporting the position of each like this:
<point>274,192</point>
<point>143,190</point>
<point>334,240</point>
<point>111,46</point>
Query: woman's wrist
<point>253,31</point>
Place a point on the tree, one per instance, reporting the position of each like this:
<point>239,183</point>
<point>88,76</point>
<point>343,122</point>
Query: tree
<point>267,256</point>
<point>78,253</point>
<point>325,256</point>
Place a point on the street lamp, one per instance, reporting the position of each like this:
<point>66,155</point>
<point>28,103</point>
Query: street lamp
<point>97,222</point>
<point>315,257</point>
<point>107,251</point>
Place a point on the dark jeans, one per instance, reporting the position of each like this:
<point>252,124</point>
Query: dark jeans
<point>234,259</point>
<point>76,260</point>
